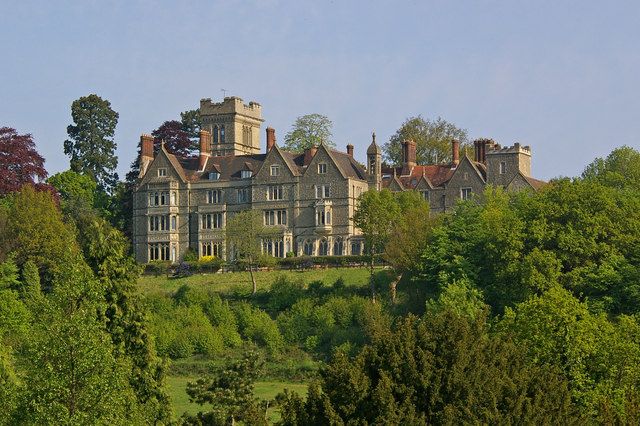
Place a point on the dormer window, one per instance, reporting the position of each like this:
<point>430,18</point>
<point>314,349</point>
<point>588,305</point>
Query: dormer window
<point>214,175</point>
<point>246,174</point>
<point>275,170</point>
<point>162,172</point>
<point>322,168</point>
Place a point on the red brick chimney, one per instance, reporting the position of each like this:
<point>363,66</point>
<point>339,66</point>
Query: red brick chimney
<point>309,154</point>
<point>146,143</point>
<point>408,156</point>
<point>350,150</point>
<point>271,138</point>
<point>455,152</point>
<point>205,148</point>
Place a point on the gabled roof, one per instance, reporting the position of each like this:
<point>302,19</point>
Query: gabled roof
<point>536,184</point>
<point>175,163</point>
<point>231,166</point>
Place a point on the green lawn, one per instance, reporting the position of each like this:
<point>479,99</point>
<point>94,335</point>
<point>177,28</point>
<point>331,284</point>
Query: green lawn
<point>264,390</point>
<point>240,282</point>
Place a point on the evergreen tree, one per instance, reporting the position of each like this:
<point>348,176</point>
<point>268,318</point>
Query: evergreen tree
<point>91,146</point>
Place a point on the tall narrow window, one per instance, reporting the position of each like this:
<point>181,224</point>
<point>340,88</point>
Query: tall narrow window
<point>215,134</point>
<point>222,133</point>
<point>503,167</point>
<point>465,193</point>
<point>274,192</point>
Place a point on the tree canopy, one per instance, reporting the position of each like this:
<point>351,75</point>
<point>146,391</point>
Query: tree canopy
<point>307,131</point>
<point>432,138</point>
<point>91,145</point>
<point>20,163</point>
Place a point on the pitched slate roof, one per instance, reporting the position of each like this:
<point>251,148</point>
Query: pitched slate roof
<point>230,166</point>
<point>437,174</point>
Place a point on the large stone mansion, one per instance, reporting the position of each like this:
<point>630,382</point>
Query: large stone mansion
<point>309,198</point>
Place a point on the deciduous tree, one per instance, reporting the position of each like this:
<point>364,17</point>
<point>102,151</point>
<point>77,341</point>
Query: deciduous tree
<point>432,138</point>
<point>307,131</point>
<point>375,216</point>
<point>20,163</point>
<point>245,231</point>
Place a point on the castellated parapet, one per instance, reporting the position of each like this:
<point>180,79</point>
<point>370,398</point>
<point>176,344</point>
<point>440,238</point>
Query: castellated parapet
<point>234,125</point>
<point>231,105</point>
<point>515,149</point>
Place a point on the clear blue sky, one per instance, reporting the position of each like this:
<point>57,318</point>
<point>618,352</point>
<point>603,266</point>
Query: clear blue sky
<point>563,77</point>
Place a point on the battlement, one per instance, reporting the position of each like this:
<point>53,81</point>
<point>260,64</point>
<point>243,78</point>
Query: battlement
<point>515,149</point>
<point>231,105</point>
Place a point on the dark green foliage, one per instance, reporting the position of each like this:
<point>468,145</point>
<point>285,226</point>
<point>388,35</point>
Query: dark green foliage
<point>443,369</point>
<point>90,146</point>
<point>284,293</point>
<point>229,392</point>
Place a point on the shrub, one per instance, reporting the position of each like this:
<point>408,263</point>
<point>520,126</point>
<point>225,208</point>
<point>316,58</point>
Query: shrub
<point>183,270</point>
<point>206,340</point>
<point>285,293</point>
<point>181,347</point>
<point>157,268</point>
<point>190,255</point>
<point>257,326</point>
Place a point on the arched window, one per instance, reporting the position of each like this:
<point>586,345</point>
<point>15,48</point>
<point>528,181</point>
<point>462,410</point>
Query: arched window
<point>338,247</point>
<point>308,247</point>
<point>222,133</point>
<point>215,134</point>
<point>323,249</point>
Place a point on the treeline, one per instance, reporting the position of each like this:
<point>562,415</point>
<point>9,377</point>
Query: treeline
<point>74,342</point>
<point>531,314</point>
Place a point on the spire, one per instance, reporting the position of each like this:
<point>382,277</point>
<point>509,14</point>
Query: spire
<point>373,148</point>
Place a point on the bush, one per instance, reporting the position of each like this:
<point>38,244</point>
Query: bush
<point>190,255</point>
<point>257,326</point>
<point>157,268</point>
<point>285,293</point>
<point>181,347</point>
<point>183,270</point>
<point>206,340</point>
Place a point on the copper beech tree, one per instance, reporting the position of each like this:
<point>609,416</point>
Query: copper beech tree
<point>20,163</point>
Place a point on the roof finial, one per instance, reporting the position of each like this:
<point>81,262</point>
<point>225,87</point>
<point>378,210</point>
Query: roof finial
<point>373,137</point>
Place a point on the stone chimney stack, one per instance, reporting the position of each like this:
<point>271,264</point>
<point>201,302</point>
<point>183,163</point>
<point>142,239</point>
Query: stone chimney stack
<point>408,156</point>
<point>309,154</point>
<point>271,138</point>
<point>455,152</point>
<point>205,148</point>
<point>350,150</point>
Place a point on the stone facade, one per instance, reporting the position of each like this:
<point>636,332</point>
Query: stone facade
<point>444,185</point>
<point>309,198</point>
<point>183,203</point>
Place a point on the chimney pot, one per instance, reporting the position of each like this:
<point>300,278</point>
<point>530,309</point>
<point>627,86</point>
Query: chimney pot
<point>271,138</point>
<point>350,150</point>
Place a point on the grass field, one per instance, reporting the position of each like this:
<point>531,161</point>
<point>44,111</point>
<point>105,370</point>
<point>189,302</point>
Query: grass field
<point>264,390</point>
<point>240,282</point>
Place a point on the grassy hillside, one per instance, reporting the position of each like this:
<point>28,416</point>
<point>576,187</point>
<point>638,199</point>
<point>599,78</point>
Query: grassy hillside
<point>240,282</point>
<point>291,366</point>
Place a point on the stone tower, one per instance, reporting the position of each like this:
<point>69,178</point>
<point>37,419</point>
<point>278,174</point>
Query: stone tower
<point>374,164</point>
<point>234,126</point>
